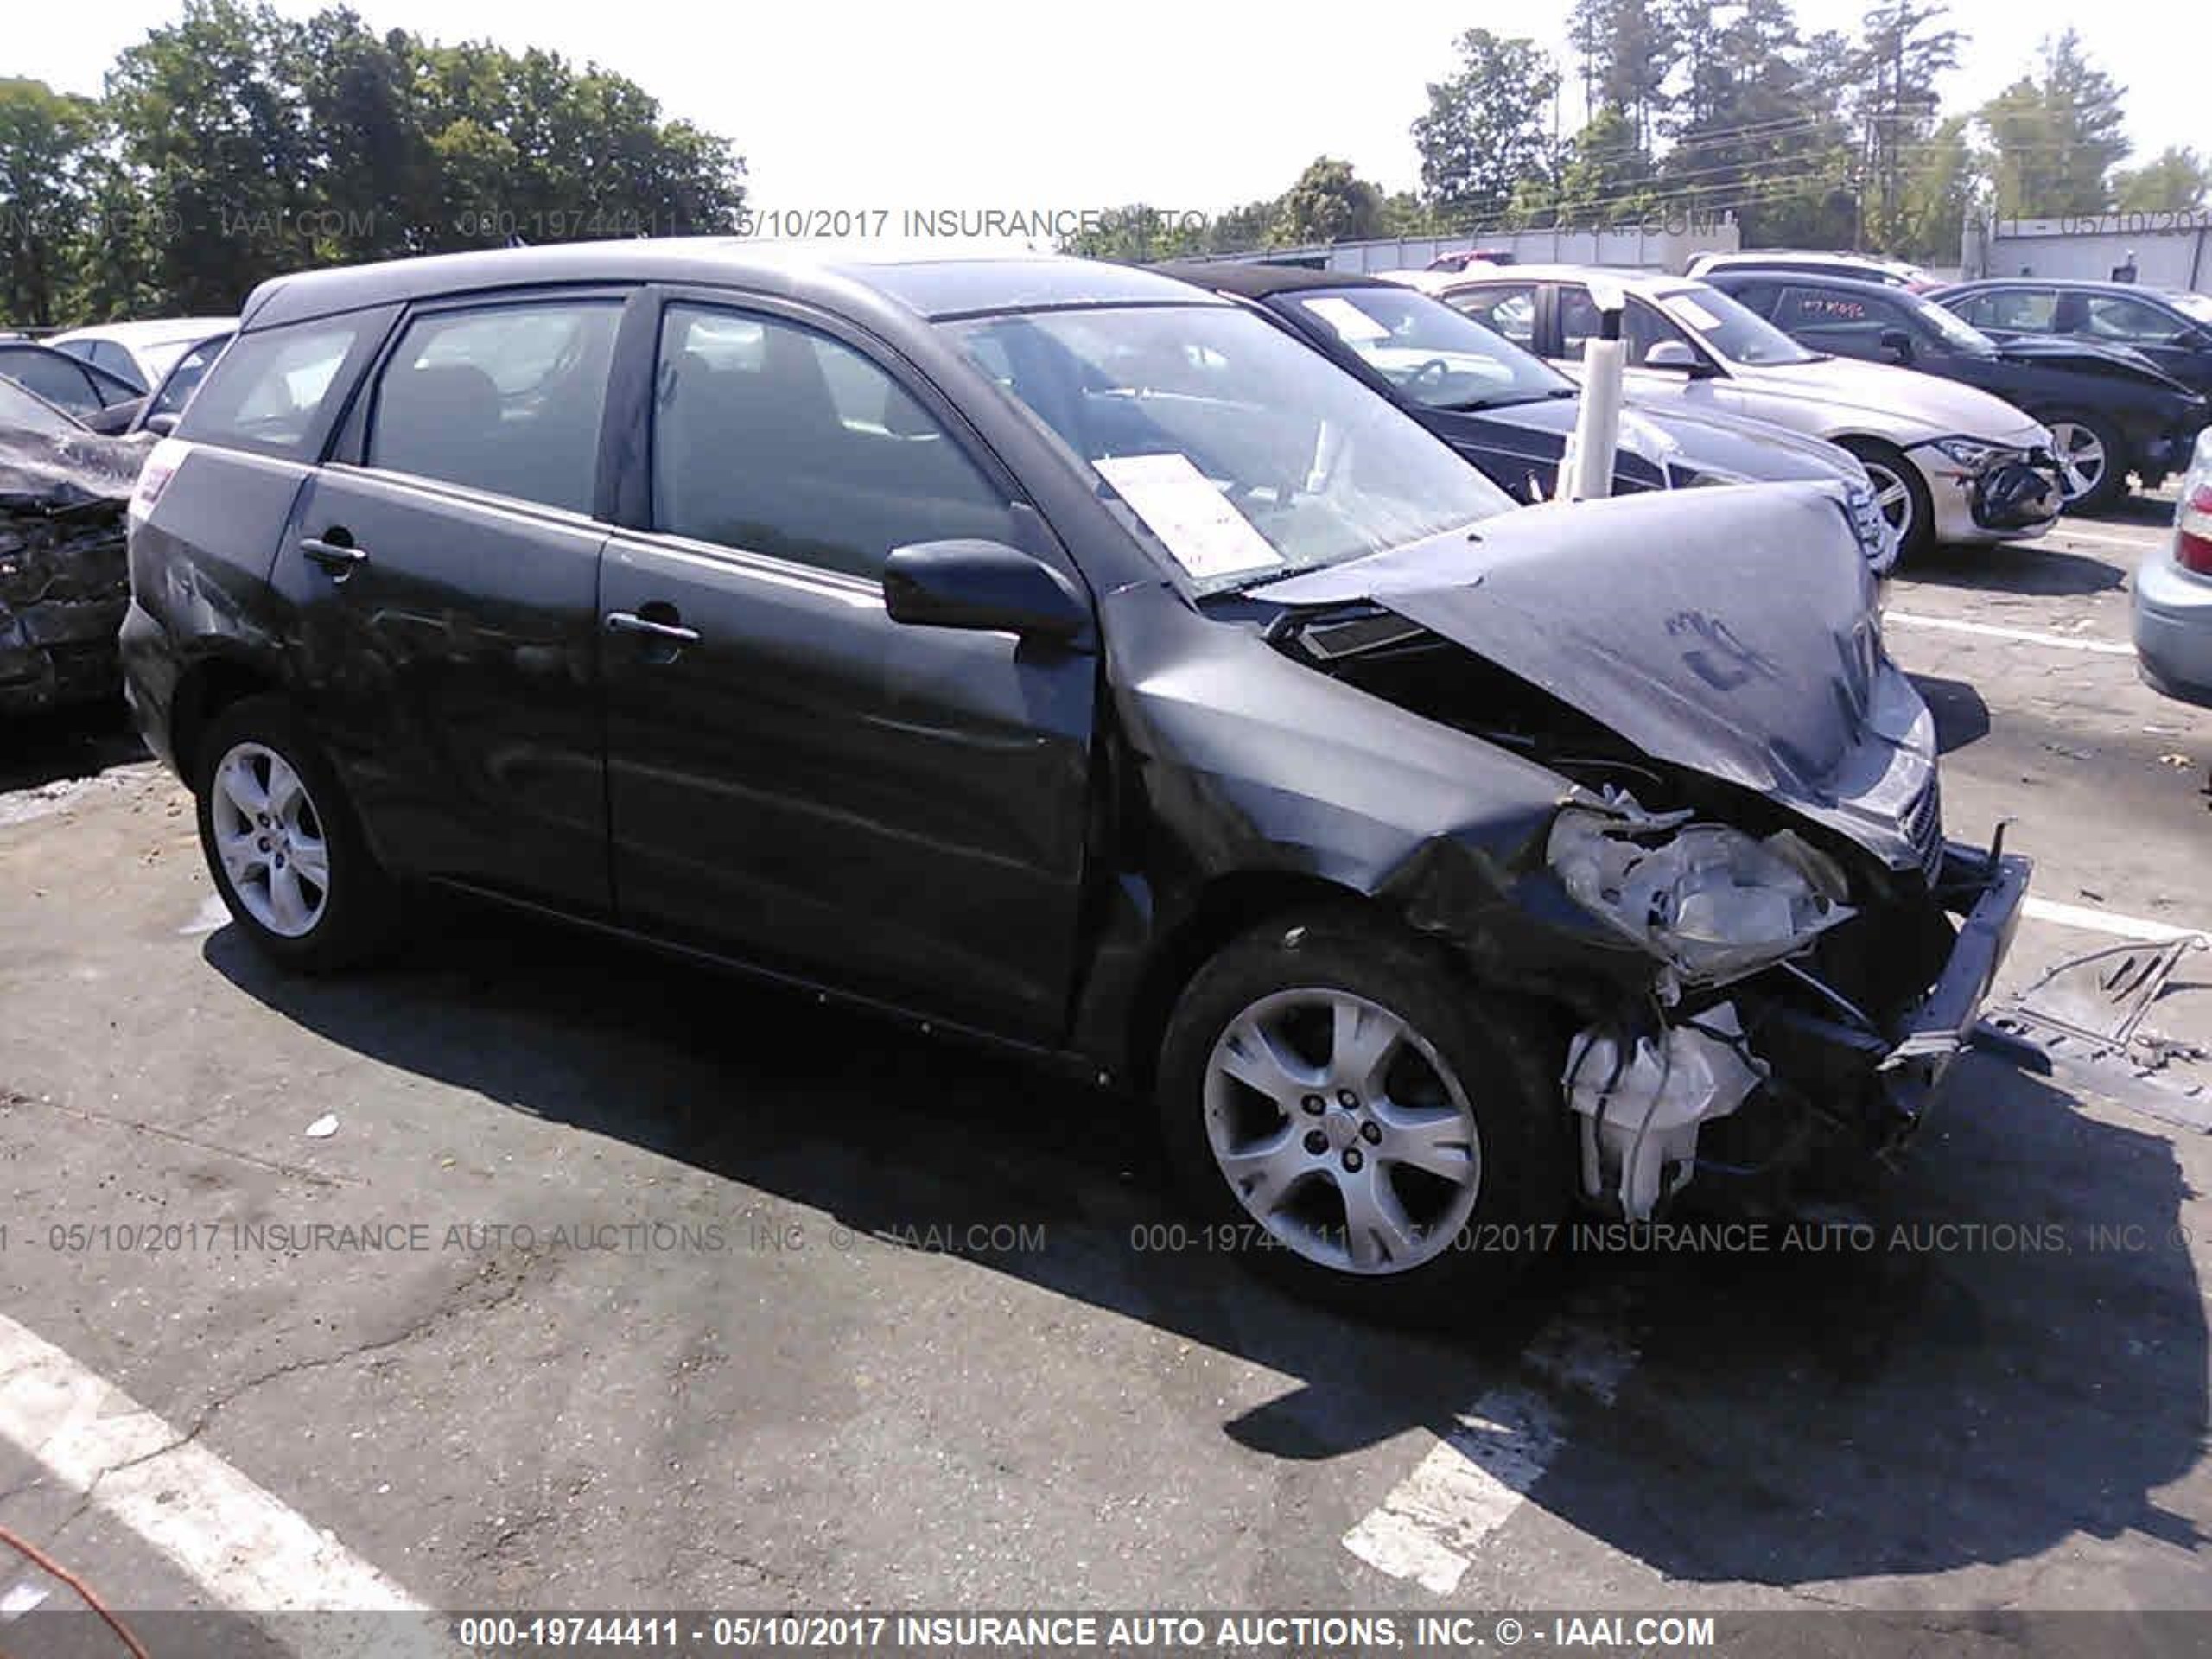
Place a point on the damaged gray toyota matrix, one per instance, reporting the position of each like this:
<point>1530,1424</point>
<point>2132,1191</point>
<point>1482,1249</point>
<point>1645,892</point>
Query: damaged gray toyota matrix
<point>1054,652</point>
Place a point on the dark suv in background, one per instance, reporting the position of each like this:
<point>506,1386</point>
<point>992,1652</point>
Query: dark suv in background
<point>1058,653</point>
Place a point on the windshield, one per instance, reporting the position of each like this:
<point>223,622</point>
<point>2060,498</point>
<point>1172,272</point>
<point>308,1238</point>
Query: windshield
<point>1731,332</point>
<point>2198,305</point>
<point>1430,352</point>
<point>1240,454</point>
<point>1956,331</point>
<point>20,409</point>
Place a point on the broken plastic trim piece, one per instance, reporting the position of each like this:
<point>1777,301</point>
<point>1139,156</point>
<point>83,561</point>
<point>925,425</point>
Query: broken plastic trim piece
<point>1641,1101</point>
<point>1711,903</point>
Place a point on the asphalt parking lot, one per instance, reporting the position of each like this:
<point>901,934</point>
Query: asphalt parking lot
<point>618,1285</point>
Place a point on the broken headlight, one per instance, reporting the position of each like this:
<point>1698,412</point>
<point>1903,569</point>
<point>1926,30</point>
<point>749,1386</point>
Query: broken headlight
<point>1711,903</point>
<point>1974,454</point>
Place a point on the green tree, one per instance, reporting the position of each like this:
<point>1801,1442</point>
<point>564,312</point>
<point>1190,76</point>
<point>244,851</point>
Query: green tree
<point>2175,179</point>
<point>2056,135</point>
<point>1328,203</point>
<point>209,121</point>
<point>1629,50</point>
<point>1905,51</point>
<point>1602,176</point>
<point>1487,125</point>
<point>46,155</point>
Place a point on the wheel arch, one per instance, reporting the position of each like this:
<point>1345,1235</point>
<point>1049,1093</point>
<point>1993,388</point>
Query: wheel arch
<point>210,685</point>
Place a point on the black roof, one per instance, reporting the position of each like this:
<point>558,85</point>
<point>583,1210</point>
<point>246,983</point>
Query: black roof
<point>1733,276</point>
<point>2072,285</point>
<point>1251,282</point>
<point>932,285</point>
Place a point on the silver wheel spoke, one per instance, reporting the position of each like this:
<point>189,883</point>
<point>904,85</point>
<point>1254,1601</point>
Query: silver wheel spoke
<point>1264,1172</point>
<point>1362,1041</point>
<point>311,859</point>
<point>238,783</point>
<point>1251,1054</point>
<point>1377,1230</point>
<point>240,853</point>
<point>285,898</point>
<point>1440,1142</point>
<point>285,791</point>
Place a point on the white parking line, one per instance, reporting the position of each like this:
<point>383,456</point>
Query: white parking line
<point>2026,636</point>
<point>2150,541</point>
<point>1473,1481</point>
<point>247,1551</point>
<point>2102,921</point>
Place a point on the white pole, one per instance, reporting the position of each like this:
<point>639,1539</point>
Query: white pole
<point>1586,470</point>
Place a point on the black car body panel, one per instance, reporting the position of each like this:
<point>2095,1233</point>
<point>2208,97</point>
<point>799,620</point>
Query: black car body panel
<point>732,749</point>
<point>64,584</point>
<point>2156,418</point>
<point>2172,332</point>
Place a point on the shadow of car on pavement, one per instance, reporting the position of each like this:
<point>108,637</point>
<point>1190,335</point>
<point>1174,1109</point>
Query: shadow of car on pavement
<point>1930,1401</point>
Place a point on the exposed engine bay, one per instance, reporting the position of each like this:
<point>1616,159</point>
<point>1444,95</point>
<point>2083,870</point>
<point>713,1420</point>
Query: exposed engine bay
<point>1812,950</point>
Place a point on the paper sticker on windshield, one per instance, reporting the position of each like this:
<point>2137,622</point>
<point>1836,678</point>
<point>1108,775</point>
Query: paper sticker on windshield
<point>1350,323</point>
<point>1694,314</point>
<point>1207,535</point>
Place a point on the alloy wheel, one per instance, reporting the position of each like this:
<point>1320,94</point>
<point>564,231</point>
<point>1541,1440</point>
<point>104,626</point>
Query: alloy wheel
<point>271,840</point>
<point>2081,458</point>
<point>1342,1131</point>
<point>1894,496</point>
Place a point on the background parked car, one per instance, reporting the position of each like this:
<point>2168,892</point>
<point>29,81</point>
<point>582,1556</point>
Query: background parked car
<point>2171,328</point>
<point>1509,411</point>
<point>2173,594</point>
<point>1948,463</point>
<point>63,582</point>
<point>2110,411</point>
<point>1861,267</point>
<point>104,402</point>
<point>140,352</point>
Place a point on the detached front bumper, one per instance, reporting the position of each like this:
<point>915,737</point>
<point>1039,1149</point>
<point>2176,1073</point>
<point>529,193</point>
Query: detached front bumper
<point>2009,498</point>
<point>1937,1030</point>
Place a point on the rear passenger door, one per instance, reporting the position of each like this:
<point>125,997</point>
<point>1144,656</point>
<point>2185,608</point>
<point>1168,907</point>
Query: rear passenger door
<point>794,778</point>
<point>444,565</point>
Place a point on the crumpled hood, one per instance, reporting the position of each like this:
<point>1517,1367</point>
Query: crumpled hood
<point>1729,631</point>
<point>2120,362</point>
<point>1888,395</point>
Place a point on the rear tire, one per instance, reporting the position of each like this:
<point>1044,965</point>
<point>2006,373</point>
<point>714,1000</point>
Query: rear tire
<point>1901,491</point>
<point>1348,1117</point>
<point>283,843</point>
<point>2090,450</point>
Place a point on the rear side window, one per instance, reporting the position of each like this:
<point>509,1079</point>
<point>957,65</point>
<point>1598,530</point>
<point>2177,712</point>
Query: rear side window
<point>52,376</point>
<point>2023,310</point>
<point>770,437</point>
<point>267,392</point>
<point>1509,309</point>
<point>106,354</point>
<point>506,398</point>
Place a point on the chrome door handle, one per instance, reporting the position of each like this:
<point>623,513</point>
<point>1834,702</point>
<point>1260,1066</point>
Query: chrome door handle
<point>332,555</point>
<point>629,622</point>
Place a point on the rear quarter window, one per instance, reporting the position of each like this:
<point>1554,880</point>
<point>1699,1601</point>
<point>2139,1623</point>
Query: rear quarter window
<point>275,392</point>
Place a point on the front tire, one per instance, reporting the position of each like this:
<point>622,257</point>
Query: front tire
<point>282,844</point>
<point>1900,491</point>
<point>1354,1120</point>
<point>2093,461</point>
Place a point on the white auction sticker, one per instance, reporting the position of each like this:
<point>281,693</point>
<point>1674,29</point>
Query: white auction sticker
<point>1694,314</point>
<point>1204,531</point>
<point>1350,323</point>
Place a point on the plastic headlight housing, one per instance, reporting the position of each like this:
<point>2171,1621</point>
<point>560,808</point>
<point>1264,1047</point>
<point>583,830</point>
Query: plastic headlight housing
<point>1712,904</point>
<point>1973,454</point>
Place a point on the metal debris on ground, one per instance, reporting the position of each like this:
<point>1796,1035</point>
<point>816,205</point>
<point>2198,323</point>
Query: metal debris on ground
<point>2085,1015</point>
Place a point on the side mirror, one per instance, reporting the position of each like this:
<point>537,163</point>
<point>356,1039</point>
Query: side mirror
<point>979,584</point>
<point>116,418</point>
<point>1898,344</point>
<point>161,425</point>
<point>1674,354</point>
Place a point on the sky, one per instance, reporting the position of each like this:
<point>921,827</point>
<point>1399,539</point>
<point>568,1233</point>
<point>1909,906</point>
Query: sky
<point>1043,107</point>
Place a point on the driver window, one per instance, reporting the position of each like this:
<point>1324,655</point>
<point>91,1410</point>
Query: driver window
<point>2112,318</point>
<point>1642,326</point>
